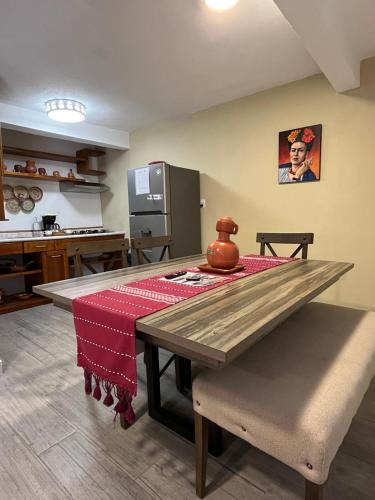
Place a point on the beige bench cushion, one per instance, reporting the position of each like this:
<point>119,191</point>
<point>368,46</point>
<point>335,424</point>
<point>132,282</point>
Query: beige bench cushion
<point>294,394</point>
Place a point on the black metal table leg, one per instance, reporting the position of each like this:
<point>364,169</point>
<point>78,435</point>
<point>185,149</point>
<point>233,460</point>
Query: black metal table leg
<point>181,425</point>
<point>183,373</point>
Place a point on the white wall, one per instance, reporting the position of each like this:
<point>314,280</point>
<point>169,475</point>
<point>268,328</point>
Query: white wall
<point>72,209</point>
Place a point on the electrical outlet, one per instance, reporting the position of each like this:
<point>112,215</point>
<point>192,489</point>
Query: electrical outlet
<point>203,203</point>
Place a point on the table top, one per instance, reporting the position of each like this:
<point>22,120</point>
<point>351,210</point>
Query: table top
<point>213,327</point>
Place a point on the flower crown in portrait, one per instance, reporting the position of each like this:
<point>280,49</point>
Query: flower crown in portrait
<point>306,135</point>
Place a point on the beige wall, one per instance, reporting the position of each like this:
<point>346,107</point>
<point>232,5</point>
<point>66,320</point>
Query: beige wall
<point>235,147</point>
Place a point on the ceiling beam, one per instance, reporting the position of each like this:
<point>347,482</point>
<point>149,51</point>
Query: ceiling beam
<point>35,122</point>
<point>314,23</point>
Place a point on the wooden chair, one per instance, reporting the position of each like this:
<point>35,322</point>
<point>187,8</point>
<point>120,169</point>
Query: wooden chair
<point>301,239</point>
<point>149,242</point>
<point>85,254</point>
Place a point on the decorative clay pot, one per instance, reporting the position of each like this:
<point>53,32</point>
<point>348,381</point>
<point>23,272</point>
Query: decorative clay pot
<point>223,253</point>
<point>30,167</point>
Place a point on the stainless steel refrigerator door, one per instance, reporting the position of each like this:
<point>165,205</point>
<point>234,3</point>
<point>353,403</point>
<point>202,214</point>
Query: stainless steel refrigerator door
<point>148,189</point>
<point>149,225</point>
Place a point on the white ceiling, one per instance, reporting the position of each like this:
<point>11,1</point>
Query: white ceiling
<point>134,62</point>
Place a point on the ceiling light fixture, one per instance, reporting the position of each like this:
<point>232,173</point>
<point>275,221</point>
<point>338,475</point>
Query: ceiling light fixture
<point>66,110</point>
<point>221,4</point>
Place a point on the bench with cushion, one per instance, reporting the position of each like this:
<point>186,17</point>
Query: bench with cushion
<point>294,394</point>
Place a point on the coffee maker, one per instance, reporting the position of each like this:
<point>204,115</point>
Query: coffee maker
<point>48,222</point>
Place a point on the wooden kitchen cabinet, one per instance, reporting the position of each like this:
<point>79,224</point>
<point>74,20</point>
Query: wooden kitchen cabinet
<point>55,266</point>
<point>2,210</point>
<point>38,246</point>
<point>11,248</point>
<point>49,263</point>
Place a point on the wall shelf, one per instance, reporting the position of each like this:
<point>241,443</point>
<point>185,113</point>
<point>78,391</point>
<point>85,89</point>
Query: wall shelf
<point>42,155</point>
<point>12,303</point>
<point>83,167</point>
<point>81,159</point>
<point>52,178</point>
<point>19,273</point>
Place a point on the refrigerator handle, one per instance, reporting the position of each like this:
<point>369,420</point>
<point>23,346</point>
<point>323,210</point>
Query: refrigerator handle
<point>148,232</point>
<point>155,197</point>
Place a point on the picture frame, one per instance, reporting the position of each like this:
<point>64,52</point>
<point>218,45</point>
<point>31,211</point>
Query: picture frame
<point>300,154</point>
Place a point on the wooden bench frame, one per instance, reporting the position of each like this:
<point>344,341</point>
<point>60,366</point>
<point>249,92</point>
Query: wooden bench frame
<point>312,491</point>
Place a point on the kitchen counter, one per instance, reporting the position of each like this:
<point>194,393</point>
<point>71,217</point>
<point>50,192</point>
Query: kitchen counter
<point>65,236</point>
<point>44,259</point>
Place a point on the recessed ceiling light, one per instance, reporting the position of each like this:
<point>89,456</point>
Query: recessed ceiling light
<point>66,110</point>
<point>221,4</point>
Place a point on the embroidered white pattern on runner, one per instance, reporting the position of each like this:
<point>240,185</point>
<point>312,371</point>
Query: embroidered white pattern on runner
<point>148,294</point>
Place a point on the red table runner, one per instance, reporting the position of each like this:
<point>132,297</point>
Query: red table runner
<point>105,328</point>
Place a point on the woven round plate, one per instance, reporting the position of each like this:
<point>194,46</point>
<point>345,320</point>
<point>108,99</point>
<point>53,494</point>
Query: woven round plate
<point>35,193</point>
<point>27,205</point>
<point>21,192</point>
<point>8,192</point>
<point>13,205</point>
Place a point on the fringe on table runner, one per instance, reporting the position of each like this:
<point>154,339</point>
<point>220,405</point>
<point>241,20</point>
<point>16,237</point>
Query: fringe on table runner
<point>124,403</point>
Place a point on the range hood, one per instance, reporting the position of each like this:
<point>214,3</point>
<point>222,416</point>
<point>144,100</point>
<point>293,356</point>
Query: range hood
<point>82,187</point>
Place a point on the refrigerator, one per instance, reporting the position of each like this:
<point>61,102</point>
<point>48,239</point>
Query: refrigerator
<point>165,200</point>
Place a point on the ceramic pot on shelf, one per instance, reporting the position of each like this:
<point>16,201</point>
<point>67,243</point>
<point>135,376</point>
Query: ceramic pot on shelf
<point>223,253</point>
<point>30,167</point>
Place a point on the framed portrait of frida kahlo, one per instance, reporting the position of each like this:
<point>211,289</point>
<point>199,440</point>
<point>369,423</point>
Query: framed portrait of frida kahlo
<point>299,154</point>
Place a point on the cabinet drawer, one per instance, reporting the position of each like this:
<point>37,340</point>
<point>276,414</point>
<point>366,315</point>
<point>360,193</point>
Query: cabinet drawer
<point>38,246</point>
<point>61,244</point>
<point>55,266</point>
<point>11,248</point>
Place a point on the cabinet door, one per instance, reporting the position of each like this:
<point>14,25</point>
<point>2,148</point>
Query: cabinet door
<point>55,266</point>
<point>2,211</point>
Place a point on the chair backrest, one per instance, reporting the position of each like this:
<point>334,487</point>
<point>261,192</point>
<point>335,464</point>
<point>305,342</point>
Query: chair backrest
<point>303,240</point>
<point>81,251</point>
<point>146,242</point>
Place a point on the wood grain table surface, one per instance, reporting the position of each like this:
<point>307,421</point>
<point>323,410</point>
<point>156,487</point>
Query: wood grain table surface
<point>213,327</point>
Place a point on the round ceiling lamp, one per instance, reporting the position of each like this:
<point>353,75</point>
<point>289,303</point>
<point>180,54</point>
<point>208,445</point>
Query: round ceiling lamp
<point>66,110</point>
<point>221,4</point>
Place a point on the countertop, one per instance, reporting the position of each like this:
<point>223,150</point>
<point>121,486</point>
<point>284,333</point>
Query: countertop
<point>65,236</point>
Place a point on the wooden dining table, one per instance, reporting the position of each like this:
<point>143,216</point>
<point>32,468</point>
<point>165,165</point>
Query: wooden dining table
<point>213,327</point>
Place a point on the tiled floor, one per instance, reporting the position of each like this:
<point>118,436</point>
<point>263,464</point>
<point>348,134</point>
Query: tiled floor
<point>57,443</point>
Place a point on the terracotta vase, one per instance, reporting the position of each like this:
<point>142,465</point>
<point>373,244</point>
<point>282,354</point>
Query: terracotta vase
<point>30,167</point>
<point>223,253</point>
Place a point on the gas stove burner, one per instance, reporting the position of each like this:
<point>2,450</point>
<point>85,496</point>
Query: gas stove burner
<point>89,231</point>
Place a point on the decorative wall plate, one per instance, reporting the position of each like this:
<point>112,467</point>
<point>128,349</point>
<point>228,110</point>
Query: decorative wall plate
<point>21,192</point>
<point>8,192</point>
<point>35,193</point>
<point>13,205</point>
<point>27,205</point>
